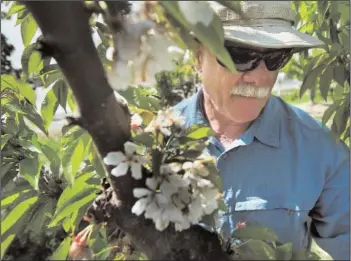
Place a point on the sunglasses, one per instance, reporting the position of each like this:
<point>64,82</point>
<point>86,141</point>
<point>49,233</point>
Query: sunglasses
<point>247,59</point>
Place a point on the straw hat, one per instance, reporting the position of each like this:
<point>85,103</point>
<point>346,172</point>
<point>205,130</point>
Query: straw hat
<point>269,25</point>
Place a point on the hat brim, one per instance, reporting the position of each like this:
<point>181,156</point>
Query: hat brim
<point>270,36</point>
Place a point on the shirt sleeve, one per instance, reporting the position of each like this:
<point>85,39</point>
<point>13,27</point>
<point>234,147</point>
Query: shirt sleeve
<point>330,226</point>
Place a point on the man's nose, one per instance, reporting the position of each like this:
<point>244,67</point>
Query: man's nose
<point>259,76</point>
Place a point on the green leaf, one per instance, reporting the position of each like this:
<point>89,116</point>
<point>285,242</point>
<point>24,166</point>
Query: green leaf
<point>329,112</point>
<point>35,64</point>
<point>49,107</point>
<point>19,211</point>
<point>222,206</point>
<point>95,160</point>
<point>310,79</point>
<point>30,170</point>
<point>34,117</point>
<point>341,118</point>
<point>66,224</point>
<point>9,81</point>
<point>284,252</point>
<point>145,139</point>
<point>52,155</point>
<point>77,157</point>
<point>69,145</point>
<point>325,81</point>
<point>61,91</point>
<point>211,36</point>
<point>75,197</point>
<point>253,249</point>
<point>41,215</point>
<point>5,243</point>
<point>339,74</point>
<point>28,29</point>
<point>62,251</point>
<point>25,59</point>
<point>71,100</point>
<point>101,29</point>
<point>336,49</point>
<point>21,15</point>
<point>197,132</point>
<point>50,74</point>
<point>255,232</point>
<point>15,8</point>
<point>4,139</point>
<point>17,197</point>
<point>88,198</point>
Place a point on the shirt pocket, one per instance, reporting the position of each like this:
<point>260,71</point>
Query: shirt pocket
<point>286,217</point>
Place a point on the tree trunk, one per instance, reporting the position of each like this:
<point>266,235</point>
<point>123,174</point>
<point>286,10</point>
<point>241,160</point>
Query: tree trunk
<point>67,37</point>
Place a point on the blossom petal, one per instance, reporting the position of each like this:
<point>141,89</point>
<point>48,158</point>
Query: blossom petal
<point>141,192</point>
<point>120,170</point>
<point>187,165</point>
<point>114,158</point>
<point>140,206</point>
<point>162,200</point>
<point>204,183</point>
<point>182,225</point>
<point>130,147</point>
<point>210,207</point>
<point>168,189</point>
<point>173,214</point>
<point>165,131</point>
<point>161,224</point>
<point>153,211</point>
<point>177,181</point>
<point>136,170</point>
<point>152,183</point>
<point>136,120</point>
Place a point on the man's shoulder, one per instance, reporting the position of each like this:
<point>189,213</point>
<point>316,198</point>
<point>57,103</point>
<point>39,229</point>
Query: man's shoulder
<point>295,115</point>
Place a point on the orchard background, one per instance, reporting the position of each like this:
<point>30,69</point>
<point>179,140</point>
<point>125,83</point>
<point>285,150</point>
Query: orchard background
<point>50,178</point>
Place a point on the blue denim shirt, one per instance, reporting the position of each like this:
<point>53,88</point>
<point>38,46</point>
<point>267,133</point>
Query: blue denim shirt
<point>284,169</point>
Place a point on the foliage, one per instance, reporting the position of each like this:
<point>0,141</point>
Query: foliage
<point>327,68</point>
<point>48,183</point>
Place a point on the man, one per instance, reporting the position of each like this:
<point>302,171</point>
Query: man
<point>279,166</point>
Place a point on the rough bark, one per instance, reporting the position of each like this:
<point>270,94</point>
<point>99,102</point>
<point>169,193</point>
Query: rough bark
<point>67,37</point>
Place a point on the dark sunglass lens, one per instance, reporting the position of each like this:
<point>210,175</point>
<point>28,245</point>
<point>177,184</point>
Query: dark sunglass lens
<point>278,59</point>
<point>244,59</point>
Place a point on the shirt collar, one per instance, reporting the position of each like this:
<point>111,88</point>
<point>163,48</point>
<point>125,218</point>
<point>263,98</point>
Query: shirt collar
<point>266,128</point>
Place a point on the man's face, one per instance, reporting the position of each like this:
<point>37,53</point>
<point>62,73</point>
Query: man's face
<point>228,91</point>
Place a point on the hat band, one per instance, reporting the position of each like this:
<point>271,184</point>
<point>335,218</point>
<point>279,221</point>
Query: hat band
<point>250,22</point>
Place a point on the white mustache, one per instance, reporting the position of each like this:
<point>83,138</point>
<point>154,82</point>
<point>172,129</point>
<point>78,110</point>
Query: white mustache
<point>250,91</point>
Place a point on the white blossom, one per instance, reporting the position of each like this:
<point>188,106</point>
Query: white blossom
<point>161,224</point>
<point>136,121</point>
<point>109,53</point>
<point>141,192</point>
<point>152,183</point>
<point>164,120</point>
<point>141,52</point>
<point>140,206</point>
<point>209,200</point>
<point>195,210</point>
<point>196,167</point>
<point>124,161</point>
<point>197,180</point>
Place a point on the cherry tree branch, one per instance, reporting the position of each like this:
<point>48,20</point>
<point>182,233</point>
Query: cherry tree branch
<point>67,37</point>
